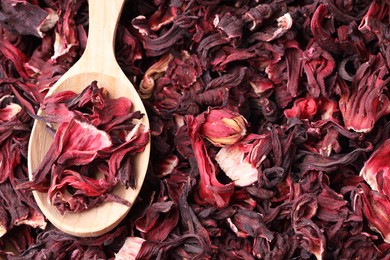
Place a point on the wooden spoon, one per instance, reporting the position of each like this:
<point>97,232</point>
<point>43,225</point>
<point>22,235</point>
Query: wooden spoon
<point>97,63</point>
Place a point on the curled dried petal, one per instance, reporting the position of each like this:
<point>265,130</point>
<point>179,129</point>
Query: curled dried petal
<point>376,209</point>
<point>367,101</point>
<point>147,84</point>
<point>376,170</point>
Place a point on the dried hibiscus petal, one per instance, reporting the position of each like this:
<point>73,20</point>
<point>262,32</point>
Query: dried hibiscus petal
<point>367,101</point>
<point>241,162</point>
<point>130,248</point>
<point>376,209</point>
<point>27,18</point>
<point>376,170</point>
<point>210,189</point>
<point>304,108</point>
<point>318,64</point>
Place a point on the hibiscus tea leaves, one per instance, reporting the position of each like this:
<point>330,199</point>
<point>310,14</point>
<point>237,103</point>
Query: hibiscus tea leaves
<point>85,162</point>
<point>269,128</point>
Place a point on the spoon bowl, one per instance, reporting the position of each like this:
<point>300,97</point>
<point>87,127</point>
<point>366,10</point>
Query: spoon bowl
<point>97,63</point>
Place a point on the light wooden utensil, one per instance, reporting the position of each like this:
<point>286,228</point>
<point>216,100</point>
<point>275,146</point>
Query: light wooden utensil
<point>97,63</point>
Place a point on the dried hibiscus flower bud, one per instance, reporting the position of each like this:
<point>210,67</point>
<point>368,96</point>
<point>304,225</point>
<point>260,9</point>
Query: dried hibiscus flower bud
<point>376,170</point>
<point>223,127</point>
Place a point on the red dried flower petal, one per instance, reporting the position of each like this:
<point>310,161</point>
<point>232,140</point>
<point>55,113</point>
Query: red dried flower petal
<point>376,170</point>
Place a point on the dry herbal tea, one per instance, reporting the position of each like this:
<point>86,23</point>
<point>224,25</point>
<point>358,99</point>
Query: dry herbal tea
<point>269,124</point>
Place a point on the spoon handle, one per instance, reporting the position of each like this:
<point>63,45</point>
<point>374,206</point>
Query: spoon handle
<point>99,54</point>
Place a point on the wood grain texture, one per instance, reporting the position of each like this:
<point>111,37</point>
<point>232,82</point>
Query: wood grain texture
<point>97,63</point>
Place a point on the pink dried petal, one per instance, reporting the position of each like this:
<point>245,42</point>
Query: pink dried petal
<point>163,16</point>
<point>321,32</point>
<point>260,84</point>
<point>305,207</point>
<point>229,24</point>
<point>80,138</point>
<point>294,66</point>
<point>271,33</point>
<point>3,222</point>
<point>9,110</point>
<point>304,108</point>
<point>376,170</point>
<point>184,72</point>
<point>236,165</point>
<point>241,161</point>
<point>130,248</point>
<point>228,54</point>
<point>330,143</point>
<point>66,39</point>
<point>327,109</point>
<point>82,184</point>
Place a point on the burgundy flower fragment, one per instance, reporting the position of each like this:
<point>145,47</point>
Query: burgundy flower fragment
<point>261,13</point>
<point>80,148</point>
<point>322,29</point>
<point>11,115</point>
<point>367,101</point>
<point>210,189</point>
<point>189,246</point>
<point>72,139</point>
<point>315,109</point>
<point>376,170</point>
<point>312,239</point>
<point>332,206</point>
<point>4,222</point>
<point>376,209</point>
<point>241,162</point>
<point>64,46</point>
<point>130,248</point>
<point>271,33</point>
<point>27,18</point>
<point>304,108</point>
<point>229,24</point>
<point>294,66</point>
<point>19,239</point>
<point>159,220</point>
<point>318,64</point>
<point>8,109</point>
<point>15,212</point>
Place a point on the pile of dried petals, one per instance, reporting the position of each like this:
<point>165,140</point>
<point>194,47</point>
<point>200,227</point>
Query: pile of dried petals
<point>269,127</point>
